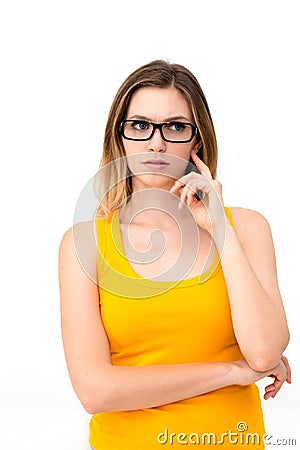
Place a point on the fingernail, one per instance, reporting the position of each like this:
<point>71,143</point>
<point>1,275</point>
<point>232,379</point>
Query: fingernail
<point>180,204</point>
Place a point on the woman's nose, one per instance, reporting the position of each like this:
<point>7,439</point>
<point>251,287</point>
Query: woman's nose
<point>156,143</point>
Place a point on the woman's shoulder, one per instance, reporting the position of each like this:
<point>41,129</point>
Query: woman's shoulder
<point>249,224</point>
<point>81,228</point>
<point>79,246</point>
<point>245,217</point>
<point>253,232</point>
<point>85,235</point>
<point>80,237</point>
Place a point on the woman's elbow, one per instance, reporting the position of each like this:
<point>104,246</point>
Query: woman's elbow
<point>269,356</point>
<point>94,404</point>
<point>91,408</point>
<point>265,361</point>
<point>264,364</point>
<point>94,395</point>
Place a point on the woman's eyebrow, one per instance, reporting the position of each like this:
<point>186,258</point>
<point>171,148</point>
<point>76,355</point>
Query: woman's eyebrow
<point>168,119</point>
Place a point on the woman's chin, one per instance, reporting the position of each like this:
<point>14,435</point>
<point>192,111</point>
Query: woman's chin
<point>152,180</point>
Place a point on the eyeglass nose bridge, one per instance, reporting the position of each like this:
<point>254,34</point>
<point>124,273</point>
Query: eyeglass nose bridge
<point>154,127</point>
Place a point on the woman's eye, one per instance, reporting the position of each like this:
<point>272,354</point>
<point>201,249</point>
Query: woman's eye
<point>140,126</point>
<point>177,126</point>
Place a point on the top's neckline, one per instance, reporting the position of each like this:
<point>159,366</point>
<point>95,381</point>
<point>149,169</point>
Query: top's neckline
<point>128,269</point>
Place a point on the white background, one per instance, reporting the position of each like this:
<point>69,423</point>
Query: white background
<point>61,64</point>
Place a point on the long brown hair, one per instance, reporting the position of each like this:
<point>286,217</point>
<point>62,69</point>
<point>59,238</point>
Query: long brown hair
<point>160,74</point>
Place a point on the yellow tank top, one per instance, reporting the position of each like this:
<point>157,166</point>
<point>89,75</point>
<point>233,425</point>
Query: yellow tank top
<point>171,323</point>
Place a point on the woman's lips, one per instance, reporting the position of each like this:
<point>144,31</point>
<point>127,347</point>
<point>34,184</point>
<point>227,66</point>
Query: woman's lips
<point>156,164</point>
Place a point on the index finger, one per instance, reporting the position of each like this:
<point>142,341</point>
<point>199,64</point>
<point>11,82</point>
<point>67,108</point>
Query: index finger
<point>201,166</point>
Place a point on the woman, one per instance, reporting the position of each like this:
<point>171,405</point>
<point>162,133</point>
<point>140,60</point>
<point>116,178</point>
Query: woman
<point>186,314</point>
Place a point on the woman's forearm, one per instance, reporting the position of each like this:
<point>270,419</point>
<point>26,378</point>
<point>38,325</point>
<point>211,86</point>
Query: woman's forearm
<point>117,388</point>
<point>259,322</point>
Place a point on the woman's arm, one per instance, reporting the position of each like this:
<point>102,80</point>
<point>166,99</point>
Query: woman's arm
<point>99,385</point>
<point>248,262</point>
<point>249,266</point>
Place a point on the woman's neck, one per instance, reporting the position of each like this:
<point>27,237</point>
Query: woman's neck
<point>156,207</point>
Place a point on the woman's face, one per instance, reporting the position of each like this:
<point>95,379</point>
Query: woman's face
<point>158,105</point>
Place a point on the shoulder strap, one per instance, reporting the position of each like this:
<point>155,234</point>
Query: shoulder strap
<point>229,215</point>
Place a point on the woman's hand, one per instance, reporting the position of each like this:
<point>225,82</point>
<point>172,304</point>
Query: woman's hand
<point>209,211</point>
<point>283,367</point>
<point>281,373</point>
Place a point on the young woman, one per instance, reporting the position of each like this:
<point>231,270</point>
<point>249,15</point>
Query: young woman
<point>185,315</point>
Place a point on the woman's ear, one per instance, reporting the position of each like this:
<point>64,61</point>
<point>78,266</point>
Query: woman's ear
<point>198,149</point>
<point>197,146</point>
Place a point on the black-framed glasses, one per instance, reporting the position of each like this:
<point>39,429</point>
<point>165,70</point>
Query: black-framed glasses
<point>142,130</point>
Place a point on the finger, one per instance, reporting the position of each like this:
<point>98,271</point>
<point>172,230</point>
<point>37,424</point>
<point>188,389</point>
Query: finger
<point>177,185</point>
<point>277,383</point>
<point>270,387</point>
<point>182,181</point>
<point>185,193</point>
<point>191,197</point>
<point>288,369</point>
<point>272,390</point>
<point>181,185</point>
<point>201,166</point>
<point>275,391</point>
<point>268,395</point>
